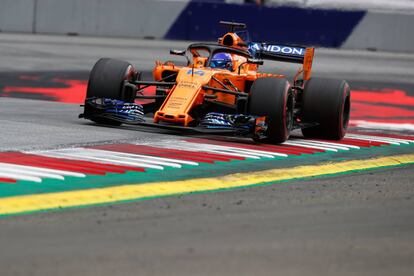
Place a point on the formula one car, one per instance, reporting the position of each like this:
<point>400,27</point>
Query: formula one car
<point>221,91</point>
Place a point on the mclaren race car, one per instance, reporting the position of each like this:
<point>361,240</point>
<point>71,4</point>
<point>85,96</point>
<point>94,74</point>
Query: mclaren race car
<point>220,90</point>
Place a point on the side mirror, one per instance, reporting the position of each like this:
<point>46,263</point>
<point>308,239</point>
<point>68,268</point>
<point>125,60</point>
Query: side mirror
<point>177,52</point>
<point>255,61</point>
<point>180,53</point>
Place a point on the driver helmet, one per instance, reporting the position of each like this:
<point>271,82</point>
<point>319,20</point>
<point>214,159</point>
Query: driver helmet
<point>222,60</point>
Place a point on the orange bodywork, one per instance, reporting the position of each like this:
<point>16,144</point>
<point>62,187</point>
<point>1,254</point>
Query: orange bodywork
<point>189,92</point>
<point>183,96</point>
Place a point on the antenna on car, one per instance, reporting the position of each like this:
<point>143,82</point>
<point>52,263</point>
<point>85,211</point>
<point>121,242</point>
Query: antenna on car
<point>232,26</point>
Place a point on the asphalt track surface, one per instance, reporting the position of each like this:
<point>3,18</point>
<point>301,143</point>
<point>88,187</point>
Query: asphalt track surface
<point>359,224</point>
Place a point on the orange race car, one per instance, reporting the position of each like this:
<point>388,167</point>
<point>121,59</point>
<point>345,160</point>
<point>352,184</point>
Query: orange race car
<point>221,91</point>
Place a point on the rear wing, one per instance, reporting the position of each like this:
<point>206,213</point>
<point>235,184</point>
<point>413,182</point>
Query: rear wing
<point>284,53</point>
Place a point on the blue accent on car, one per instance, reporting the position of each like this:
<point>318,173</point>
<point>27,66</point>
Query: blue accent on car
<point>240,122</point>
<point>117,109</point>
<point>286,25</point>
<point>128,111</point>
<point>195,72</point>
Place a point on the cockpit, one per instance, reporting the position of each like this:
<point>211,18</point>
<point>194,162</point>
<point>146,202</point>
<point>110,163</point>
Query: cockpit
<point>217,56</point>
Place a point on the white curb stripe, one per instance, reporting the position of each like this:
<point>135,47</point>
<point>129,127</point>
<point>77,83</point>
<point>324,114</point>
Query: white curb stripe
<point>385,126</point>
<point>308,146</point>
<point>191,146</point>
<point>232,151</point>
<point>398,140</point>
<point>314,143</point>
<point>332,144</point>
<point>75,156</point>
<point>35,174</point>
<point>44,170</point>
<point>207,148</point>
<point>23,172</point>
<point>372,139</point>
<point>20,177</point>
<point>146,157</point>
<point>243,150</point>
<point>115,157</point>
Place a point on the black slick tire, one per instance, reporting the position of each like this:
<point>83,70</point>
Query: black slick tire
<point>272,97</point>
<point>326,102</point>
<point>106,80</point>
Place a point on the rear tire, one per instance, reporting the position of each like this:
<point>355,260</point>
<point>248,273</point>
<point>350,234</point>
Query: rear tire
<point>326,102</point>
<point>106,80</point>
<point>273,98</point>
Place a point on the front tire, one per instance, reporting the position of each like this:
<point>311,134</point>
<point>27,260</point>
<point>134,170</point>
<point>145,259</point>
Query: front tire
<point>273,98</point>
<point>326,102</point>
<point>106,80</point>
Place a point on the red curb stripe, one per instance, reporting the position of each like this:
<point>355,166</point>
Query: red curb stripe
<point>348,141</point>
<point>379,135</point>
<point>155,152</point>
<point>209,155</point>
<point>177,154</point>
<point>269,148</point>
<point>7,180</point>
<point>364,143</point>
<point>67,167</point>
<point>368,143</point>
<point>139,149</point>
<point>294,149</point>
<point>28,159</point>
<point>55,166</point>
<point>297,150</point>
<point>33,160</point>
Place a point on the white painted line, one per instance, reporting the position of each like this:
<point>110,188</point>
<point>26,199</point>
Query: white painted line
<point>115,157</point>
<point>398,140</point>
<point>22,171</point>
<point>268,154</point>
<point>385,126</point>
<point>312,143</point>
<point>308,146</point>
<point>146,157</point>
<point>46,170</point>
<point>232,153</point>
<point>75,156</point>
<point>315,143</point>
<point>372,139</point>
<point>199,148</point>
<point>259,153</point>
<point>332,144</point>
<point>20,177</point>
<point>175,146</point>
<point>228,150</point>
